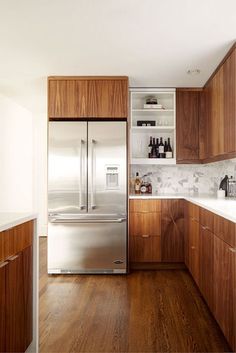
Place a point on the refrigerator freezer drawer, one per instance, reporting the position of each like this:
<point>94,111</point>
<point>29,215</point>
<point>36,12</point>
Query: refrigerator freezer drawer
<point>87,248</point>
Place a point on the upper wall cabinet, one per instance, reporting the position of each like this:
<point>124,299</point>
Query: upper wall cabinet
<point>187,125</point>
<point>218,117</point>
<point>87,97</point>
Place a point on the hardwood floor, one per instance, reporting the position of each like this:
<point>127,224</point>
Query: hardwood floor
<point>145,311</point>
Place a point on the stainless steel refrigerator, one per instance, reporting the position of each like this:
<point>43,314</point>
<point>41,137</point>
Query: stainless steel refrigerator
<point>87,197</point>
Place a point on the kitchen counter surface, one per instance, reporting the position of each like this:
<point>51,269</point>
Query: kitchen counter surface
<point>9,219</point>
<point>223,207</point>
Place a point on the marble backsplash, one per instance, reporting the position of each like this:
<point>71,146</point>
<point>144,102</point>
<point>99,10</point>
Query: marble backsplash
<point>193,179</point>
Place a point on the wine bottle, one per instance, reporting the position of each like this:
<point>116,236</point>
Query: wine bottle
<point>150,148</point>
<point>137,184</point>
<point>169,152</point>
<point>161,149</point>
<point>153,152</point>
<point>157,148</point>
<point>165,148</point>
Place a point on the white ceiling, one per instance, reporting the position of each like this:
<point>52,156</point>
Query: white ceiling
<point>154,42</point>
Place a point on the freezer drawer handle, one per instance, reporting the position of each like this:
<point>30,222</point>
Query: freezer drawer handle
<point>72,220</point>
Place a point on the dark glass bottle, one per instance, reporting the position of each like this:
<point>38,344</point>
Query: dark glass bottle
<point>153,152</point>
<point>161,149</point>
<point>157,148</point>
<point>150,148</point>
<point>169,152</point>
<point>165,148</point>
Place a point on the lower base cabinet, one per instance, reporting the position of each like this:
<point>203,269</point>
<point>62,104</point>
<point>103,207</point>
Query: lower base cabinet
<point>193,245</point>
<point>224,278</point>
<point>16,295</point>
<point>145,248</point>
<point>206,256</point>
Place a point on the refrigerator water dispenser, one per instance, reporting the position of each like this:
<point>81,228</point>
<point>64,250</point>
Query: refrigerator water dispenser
<point>112,177</point>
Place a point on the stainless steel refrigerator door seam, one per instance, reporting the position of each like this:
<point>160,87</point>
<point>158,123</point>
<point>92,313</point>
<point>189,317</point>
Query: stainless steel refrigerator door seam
<point>93,174</point>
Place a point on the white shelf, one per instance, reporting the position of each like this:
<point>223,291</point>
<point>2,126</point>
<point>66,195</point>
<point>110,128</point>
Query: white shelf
<point>163,128</point>
<point>160,161</point>
<point>153,110</point>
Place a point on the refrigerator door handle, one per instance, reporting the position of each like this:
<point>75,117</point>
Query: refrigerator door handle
<point>81,204</point>
<point>93,171</point>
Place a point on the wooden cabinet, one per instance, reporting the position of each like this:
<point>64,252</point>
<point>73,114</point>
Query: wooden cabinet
<point>15,305</point>
<point>224,278</point>
<point>145,230</point>
<point>218,120</point>
<point>3,306</point>
<point>206,247</point>
<point>187,125</point>
<point>16,289</point>
<point>193,248</point>
<point>172,231</point>
<point>87,97</point>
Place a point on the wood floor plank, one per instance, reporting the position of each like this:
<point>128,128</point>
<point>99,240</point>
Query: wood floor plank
<point>145,311</point>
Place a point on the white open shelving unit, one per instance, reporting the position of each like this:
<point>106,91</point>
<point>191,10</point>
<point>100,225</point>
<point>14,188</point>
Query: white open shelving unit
<point>165,121</point>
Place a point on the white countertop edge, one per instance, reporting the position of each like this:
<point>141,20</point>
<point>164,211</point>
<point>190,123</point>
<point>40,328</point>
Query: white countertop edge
<point>12,219</point>
<point>204,201</point>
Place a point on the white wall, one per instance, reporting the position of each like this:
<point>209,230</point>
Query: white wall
<point>16,157</point>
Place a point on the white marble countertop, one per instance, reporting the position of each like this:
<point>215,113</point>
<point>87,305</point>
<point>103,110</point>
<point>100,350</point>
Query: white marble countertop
<point>223,207</point>
<point>11,219</point>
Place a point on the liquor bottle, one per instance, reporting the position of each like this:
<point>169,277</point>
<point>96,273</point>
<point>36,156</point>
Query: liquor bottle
<point>165,148</point>
<point>157,148</point>
<point>169,152</point>
<point>153,151</point>
<point>161,149</point>
<point>150,147</point>
<point>137,184</point>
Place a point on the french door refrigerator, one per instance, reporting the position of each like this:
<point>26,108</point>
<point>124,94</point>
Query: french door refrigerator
<point>87,197</point>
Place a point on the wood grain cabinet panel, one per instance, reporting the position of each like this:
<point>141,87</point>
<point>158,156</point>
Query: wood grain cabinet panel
<point>145,224</point>
<point>206,262</point>
<point>172,230</point>
<point>145,206</point>
<point>229,92</point>
<point>224,289</point>
<point>82,97</point>
<point>27,262</point>
<point>225,230</point>
<point>15,305</point>
<point>194,249</point>
<point>145,249</point>
<point>206,219</point>
<point>107,99</point>
<point>2,306</point>
<point>193,211</point>
<point>187,125</point>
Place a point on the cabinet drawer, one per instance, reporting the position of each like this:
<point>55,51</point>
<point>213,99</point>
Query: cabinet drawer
<point>225,230</point>
<point>145,249</point>
<point>145,224</point>
<point>15,239</point>
<point>193,211</point>
<point>207,219</point>
<point>145,205</point>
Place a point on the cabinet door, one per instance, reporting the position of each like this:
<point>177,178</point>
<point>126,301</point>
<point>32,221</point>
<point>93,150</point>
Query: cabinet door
<point>206,256</point>
<point>15,305</point>
<point>145,248</point>
<point>2,306</point>
<point>224,289</point>
<point>229,73</point>
<point>187,125</point>
<point>27,259</point>
<point>194,249</point>
<point>172,230</point>
<point>108,98</point>
<point>67,98</point>
<point>145,223</point>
